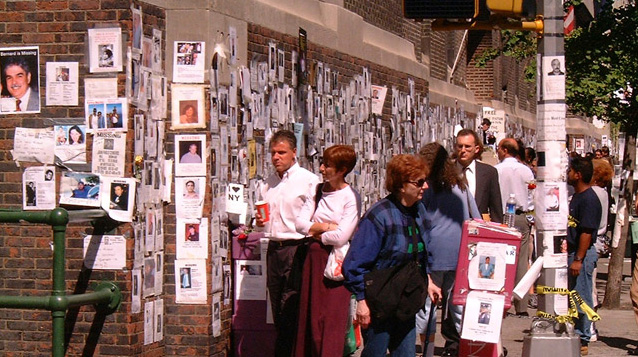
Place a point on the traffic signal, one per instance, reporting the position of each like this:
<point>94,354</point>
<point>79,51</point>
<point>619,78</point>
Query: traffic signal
<point>513,8</point>
<point>465,9</point>
<point>440,9</point>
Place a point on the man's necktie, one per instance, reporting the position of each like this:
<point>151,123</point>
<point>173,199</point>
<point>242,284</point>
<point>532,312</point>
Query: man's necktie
<point>465,175</point>
<point>18,101</point>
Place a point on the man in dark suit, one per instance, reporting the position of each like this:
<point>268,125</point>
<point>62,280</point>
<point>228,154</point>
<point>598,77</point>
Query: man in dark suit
<point>482,178</point>
<point>119,197</point>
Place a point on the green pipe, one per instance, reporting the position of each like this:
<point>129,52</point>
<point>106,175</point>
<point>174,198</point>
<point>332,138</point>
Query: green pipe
<point>107,295</point>
<point>57,216</point>
<point>104,294</point>
<point>59,287</point>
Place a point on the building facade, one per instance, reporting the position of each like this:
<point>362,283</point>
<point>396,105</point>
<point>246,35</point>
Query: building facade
<point>338,71</point>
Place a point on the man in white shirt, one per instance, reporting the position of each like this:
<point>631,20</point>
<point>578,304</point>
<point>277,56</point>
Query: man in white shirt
<point>93,117</point>
<point>514,177</point>
<point>285,191</point>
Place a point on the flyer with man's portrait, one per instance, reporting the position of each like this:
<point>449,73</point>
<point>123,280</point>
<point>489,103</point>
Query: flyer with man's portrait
<point>20,80</point>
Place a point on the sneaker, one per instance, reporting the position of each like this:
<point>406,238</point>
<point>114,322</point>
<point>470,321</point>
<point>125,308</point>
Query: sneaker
<point>584,350</point>
<point>593,338</point>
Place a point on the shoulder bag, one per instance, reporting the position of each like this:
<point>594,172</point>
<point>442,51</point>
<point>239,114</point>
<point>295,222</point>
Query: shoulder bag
<point>398,291</point>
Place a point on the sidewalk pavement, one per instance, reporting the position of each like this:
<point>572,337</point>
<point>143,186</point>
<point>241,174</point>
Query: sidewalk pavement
<point>617,329</point>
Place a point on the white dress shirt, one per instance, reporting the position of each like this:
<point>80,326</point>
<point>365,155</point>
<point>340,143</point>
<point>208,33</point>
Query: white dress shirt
<point>513,177</point>
<point>285,197</point>
<point>470,176</point>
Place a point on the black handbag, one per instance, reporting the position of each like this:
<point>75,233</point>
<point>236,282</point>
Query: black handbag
<point>398,291</point>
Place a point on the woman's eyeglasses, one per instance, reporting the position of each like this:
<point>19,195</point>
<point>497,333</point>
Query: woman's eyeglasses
<point>418,183</point>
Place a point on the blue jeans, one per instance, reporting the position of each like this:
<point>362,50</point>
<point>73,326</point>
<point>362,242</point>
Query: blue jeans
<point>583,286</point>
<point>452,314</point>
<point>397,336</point>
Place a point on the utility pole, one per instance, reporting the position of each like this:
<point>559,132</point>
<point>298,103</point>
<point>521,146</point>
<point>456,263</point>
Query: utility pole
<point>549,337</point>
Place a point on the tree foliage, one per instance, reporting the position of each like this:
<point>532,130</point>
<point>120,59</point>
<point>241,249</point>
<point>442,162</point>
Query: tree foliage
<point>602,63</point>
<point>519,45</point>
<point>602,67</point>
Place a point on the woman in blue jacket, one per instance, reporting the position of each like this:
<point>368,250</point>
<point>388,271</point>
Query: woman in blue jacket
<point>384,239</point>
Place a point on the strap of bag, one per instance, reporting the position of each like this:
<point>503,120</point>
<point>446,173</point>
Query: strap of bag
<point>318,195</point>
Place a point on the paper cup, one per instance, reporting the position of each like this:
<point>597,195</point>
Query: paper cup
<point>262,208</point>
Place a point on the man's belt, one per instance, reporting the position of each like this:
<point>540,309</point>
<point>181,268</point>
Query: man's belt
<point>288,242</point>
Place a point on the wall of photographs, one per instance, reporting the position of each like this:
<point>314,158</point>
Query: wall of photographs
<point>175,159</point>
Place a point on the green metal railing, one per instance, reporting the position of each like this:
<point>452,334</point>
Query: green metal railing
<point>107,296</point>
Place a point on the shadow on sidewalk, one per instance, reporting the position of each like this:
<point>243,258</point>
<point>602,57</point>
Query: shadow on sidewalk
<point>620,343</point>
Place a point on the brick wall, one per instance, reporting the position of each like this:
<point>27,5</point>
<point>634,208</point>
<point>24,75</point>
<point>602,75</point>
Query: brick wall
<point>59,28</point>
<point>480,78</point>
<point>488,82</point>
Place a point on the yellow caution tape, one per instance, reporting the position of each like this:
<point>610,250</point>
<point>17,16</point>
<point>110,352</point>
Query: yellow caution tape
<point>560,318</point>
<point>574,301</point>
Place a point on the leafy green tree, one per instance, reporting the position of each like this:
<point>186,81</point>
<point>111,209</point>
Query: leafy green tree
<point>602,80</point>
<point>519,45</point>
<point>602,67</point>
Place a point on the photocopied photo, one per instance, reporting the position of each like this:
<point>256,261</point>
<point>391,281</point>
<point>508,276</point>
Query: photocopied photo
<point>190,158</point>
<point>149,322</point>
<point>80,189</point>
<point>187,106</point>
<point>20,80</point>
<point>189,196</point>
<point>217,321</point>
<point>250,280</point>
<point>192,238</point>
<point>136,293</point>
<point>158,334</point>
<point>62,83</point>
<point>159,272</point>
<point>38,188</point>
<point>556,255</point>
<point>487,268</point>
<point>551,205</point>
<point>107,114</point>
<point>118,197</point>
<point>483,316</point>
<point>105,50</point>
<point>190,281</point>
<point>136,40</point>
<point>70,143</point>
<point>108,153</point>
<point>147,52</point>
<point>378,99</point>
<point>157,51</point>
<point>189,62</point>
<point>553,68</point>
<point>149,276</point>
